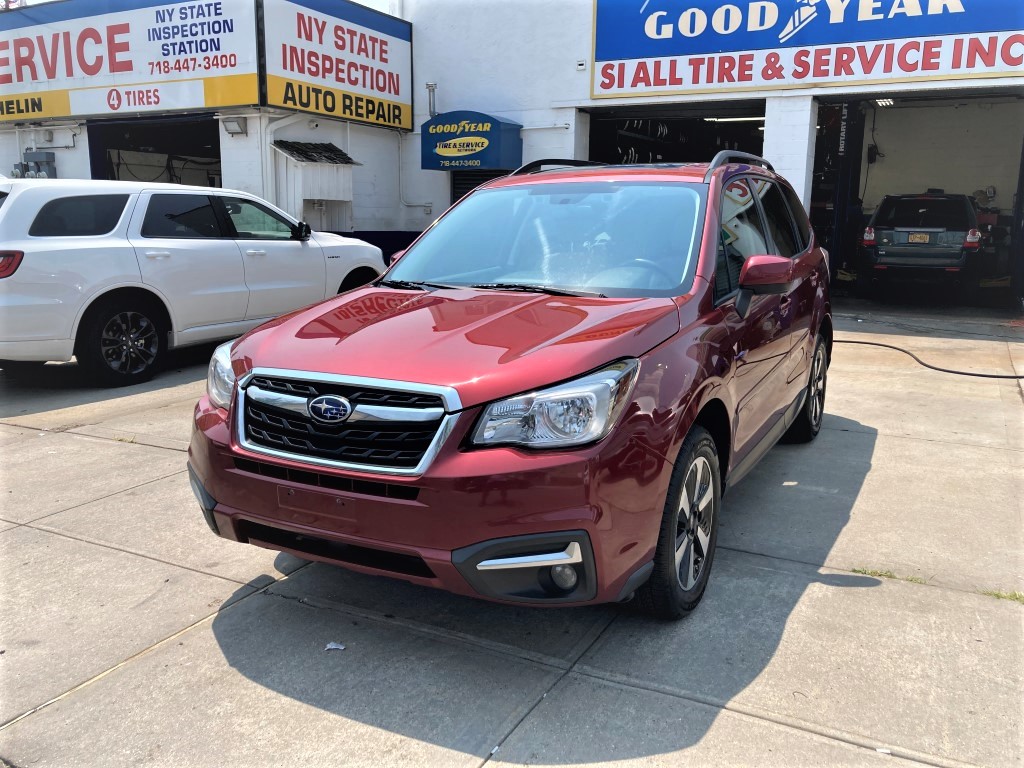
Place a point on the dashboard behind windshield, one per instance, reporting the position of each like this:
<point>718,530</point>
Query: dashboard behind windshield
<point>620,239</point>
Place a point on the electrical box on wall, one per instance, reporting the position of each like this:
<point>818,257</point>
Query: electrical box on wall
<point>36,165</point>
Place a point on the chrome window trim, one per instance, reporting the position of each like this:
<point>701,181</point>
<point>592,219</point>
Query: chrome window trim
<point>360,413</point>
<point>447,394</point>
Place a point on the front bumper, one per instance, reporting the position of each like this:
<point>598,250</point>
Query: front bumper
<point>449,526</point>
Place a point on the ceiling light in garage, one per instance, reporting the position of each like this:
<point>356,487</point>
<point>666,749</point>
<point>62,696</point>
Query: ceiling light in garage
<point>733,119</point>
<point>883,102</point>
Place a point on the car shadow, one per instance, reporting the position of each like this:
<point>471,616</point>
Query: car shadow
<point>34,389</point>
<point>778,527</point>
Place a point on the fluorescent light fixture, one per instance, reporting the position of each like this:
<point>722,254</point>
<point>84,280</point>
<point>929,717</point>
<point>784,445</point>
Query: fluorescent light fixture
<point>733,119</point>
<point>884,102</point>
<point>235,126</point>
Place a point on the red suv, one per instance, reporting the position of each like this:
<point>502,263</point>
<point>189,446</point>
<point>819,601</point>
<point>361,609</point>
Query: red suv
<point>544,399</point>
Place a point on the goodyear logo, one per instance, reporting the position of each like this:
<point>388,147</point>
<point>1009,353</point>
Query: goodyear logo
<point>465,145</point>
<point>460,128</point>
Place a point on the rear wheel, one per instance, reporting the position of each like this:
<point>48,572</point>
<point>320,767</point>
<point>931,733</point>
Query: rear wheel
<point>121,342</point>
<point>689,531</point>
<point>808,422</point>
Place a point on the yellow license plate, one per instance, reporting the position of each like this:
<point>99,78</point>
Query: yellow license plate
<point>918,237</point>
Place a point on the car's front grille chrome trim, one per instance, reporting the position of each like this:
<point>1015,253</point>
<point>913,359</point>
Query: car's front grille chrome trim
<point>365,415</point>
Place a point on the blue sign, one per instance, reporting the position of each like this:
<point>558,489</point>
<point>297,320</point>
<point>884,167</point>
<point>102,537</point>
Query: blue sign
<point>634,29</point>
<point>465,140</point>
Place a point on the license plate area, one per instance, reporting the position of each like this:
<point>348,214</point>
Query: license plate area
<point>919,237</point>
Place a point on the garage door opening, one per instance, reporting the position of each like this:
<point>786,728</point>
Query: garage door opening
<point>911,161</point>
<point>676,134</point>
<point>183,150</point>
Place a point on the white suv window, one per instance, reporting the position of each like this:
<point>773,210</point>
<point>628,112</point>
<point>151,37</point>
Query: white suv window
<point>181,217</point>
<point>254,222</point>
<point>80,216</point>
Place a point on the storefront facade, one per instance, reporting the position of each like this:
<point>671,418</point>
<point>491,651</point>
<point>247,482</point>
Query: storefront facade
<point>849,99</point>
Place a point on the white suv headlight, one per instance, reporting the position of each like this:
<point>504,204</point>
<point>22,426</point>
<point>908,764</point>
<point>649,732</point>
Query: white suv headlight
<point>220,378</point>
<point>574,413</point>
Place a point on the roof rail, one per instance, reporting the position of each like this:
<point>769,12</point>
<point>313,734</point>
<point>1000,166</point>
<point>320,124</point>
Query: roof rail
<point>538,165</point>
<point>727,156</point>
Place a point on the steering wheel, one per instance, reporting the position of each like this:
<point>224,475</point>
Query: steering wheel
<point>653,267</point>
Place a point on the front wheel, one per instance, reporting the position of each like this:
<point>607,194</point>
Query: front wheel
<point>808,422</point>
<point>689,531</point>
<point>121,343</point>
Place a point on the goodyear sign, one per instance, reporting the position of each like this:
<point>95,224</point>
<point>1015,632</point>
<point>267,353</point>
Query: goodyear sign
<point>339,59</point>
<point>116,57</point>
<point>470,140</point>
<point>657,47</point>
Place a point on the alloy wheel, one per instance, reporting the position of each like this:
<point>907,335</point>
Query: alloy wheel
<point>129,343</point>
<point>693,527</point>
<point>817,393</point>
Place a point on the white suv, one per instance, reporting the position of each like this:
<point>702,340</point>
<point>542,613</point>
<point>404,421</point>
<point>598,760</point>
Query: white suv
<point>117,272</point>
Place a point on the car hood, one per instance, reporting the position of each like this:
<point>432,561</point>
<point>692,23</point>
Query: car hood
<point>485,344</point>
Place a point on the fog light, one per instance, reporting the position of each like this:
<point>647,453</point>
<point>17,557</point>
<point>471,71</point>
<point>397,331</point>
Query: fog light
<point>564,576</point>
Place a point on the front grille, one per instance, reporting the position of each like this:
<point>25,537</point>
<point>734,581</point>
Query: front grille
<point>386,444</point>
<point>355,394</point>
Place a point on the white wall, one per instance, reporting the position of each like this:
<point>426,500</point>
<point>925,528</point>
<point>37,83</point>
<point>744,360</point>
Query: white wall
<point>71,163</point>
<point>958,147</point>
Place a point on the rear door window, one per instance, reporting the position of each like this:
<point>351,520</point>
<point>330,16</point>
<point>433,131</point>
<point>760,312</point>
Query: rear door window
<point>80,216</point>
<point>803,226</point>
<point>923,212</point>
<point>779,220</point>
<point>181,217</point>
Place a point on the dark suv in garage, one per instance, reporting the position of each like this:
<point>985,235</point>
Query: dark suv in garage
<point>544,399</point>
<point>932,232</point>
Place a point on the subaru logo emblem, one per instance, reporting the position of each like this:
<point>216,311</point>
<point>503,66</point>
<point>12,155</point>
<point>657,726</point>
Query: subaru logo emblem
<point>329,409</point>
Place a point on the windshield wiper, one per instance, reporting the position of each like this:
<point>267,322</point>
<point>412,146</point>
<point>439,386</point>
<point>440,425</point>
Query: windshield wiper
<point>414,285</point>
<point>529,288</point>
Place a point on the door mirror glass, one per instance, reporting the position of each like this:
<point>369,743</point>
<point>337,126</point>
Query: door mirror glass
<point>765,274</point>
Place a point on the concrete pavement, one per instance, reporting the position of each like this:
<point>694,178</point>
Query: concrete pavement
<point>845,623</point>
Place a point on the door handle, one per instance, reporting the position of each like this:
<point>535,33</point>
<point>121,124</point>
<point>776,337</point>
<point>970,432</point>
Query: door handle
<point>158,254</point>
<point>256,253</point>
<point>784,303</point>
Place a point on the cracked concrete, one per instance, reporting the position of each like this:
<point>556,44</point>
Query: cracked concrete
<point>131,635</point>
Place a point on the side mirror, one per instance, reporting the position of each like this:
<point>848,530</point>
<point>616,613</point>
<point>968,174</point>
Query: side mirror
<point>766,274</point>
<point>302,231</point>
<point>395,256</point>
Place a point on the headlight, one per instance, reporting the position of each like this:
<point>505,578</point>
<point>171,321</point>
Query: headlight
<point>220,379</point>
<point>574,413</point>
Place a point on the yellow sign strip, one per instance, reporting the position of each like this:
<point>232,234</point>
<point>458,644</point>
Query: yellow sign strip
<point>333,102</point>
<point>231,90</point>
<point>33,106</point>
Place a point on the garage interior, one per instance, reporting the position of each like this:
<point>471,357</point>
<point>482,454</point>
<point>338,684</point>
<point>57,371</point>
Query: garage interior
<point>182,150</point>
<point>962,142</point>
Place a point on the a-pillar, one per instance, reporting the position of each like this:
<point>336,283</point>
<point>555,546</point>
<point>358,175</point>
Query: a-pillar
<point>790,126</point>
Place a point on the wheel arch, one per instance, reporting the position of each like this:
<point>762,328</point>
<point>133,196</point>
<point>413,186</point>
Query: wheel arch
<point>358,276</point>
<point>127,292</point>
<point>826,330</point>
<point>714,417</point>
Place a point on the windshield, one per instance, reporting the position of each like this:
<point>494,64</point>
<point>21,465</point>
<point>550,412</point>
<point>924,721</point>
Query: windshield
<point>925,212</point>
<point>617,239</point>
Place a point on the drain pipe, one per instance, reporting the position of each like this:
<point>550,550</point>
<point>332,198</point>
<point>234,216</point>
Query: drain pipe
<point>427,207</point>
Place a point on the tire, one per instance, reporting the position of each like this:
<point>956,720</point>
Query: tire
<point>121,342</point>
<point>676,585</point>
<point>808,421</point>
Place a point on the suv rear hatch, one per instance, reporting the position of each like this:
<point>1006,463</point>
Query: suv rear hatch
<point>922,230</point>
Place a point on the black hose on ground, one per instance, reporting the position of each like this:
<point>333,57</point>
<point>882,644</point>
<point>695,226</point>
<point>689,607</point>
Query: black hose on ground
<point>926,365</point>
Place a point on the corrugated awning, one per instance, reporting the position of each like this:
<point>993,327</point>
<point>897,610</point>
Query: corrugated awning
<point>310,152</point>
